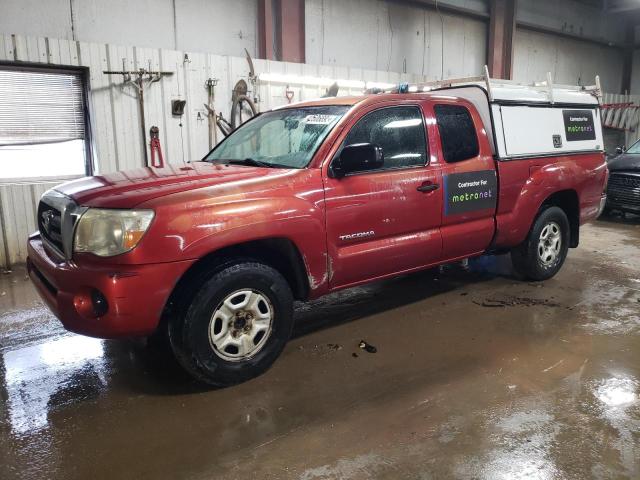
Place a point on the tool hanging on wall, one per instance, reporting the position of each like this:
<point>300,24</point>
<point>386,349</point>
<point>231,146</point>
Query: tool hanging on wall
<point>253,78</point>
<point>224,126</point>
<point>177,107</point>
<point>140,79</point>
<point>243,106</point>
<point>154,146</point>
<point>210,85</point>
<point>289,94</point>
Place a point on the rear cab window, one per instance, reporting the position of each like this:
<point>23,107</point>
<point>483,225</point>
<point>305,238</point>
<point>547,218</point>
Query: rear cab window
<point>457,133</point>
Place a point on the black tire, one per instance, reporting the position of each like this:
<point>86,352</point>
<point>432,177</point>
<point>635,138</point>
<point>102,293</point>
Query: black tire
<point>189,329</point>
<point>526,259</point>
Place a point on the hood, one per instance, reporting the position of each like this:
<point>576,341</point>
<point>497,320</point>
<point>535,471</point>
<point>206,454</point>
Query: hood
<point>625,161</point>
<point>126,189</point>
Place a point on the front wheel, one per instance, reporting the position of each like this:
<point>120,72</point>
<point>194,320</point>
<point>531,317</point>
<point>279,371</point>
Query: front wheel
<point>235,326</point>
<point>545,249</point>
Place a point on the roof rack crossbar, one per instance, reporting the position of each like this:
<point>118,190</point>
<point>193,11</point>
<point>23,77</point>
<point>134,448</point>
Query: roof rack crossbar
<point>547,86</point>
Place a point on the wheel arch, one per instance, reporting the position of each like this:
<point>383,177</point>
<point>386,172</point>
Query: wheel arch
<point>282,254</point>
<point>569,202</point>
<point>278,252</point>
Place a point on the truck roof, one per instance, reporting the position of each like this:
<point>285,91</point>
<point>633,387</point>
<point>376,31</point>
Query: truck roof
<point>351,100</point>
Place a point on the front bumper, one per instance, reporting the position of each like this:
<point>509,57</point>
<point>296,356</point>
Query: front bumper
<point>624,207</point>
<point>135,294</point>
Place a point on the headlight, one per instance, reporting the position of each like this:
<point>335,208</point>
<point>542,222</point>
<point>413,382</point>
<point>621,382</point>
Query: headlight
<point>106,232</point>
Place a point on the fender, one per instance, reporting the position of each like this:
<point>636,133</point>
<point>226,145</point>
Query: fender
<point>526,184</point>
<point>193,224</point>
<point>296,221</point>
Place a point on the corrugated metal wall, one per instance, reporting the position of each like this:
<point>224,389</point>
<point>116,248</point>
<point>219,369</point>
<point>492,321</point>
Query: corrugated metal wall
<point>115,117</point>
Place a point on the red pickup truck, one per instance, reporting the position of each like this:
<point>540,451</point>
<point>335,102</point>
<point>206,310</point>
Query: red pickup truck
<point>307,199</point>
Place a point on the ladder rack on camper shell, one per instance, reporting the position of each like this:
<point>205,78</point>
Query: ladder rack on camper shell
<point>500,90</point>
<point>525,121</point>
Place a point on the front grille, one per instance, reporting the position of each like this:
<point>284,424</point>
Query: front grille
<point>57,215</point>
<point>50,225</point>
<point>624,189</point>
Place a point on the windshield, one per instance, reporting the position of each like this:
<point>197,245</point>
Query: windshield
<point>285,138</point>
<point>635,148</point>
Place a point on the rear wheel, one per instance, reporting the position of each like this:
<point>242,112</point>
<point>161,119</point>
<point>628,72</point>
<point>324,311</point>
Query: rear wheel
<point>545,249</point>
<point>235,326</point>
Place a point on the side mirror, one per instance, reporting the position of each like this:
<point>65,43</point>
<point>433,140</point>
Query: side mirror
<point>358,157</point>
<point>619,150</point>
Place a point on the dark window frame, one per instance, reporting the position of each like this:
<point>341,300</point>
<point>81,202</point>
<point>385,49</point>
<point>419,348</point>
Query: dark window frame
<point>475,132</point>
<point>387,169</point>
<point>85,75</point>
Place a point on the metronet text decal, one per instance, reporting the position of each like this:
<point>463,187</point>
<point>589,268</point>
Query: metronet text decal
<point>578,125</point>
<point>466,192</point>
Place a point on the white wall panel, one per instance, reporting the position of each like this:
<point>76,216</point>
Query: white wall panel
<point>216,26</point>
<point>94,56</point>
<point>569,61</point>
<point>379,35</point>
<point>143,22</point>
<point>37,18</point>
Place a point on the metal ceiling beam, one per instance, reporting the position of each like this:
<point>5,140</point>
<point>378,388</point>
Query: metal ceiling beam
<point>281,30</point>
<point>266,34</point>
<point>293,31</point>
<point>502,27</point>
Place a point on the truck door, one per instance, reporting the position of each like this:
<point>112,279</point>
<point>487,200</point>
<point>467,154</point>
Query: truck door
<point>386,220</point>
<point>469,179</point>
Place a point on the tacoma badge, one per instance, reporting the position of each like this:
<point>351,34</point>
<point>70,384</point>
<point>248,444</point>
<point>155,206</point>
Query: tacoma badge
<point>353,236</point>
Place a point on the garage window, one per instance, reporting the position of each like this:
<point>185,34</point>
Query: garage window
<point>457,133</point>
<point>43,130</point>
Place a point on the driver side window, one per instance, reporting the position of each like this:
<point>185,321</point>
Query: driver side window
<point>398,130</point>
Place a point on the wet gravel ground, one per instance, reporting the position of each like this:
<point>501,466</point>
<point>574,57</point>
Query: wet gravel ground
<point>475,375</point>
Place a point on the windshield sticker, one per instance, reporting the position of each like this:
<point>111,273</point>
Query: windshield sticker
<point>320,119</point>
<point>578,125</point>
<point>470,191</point>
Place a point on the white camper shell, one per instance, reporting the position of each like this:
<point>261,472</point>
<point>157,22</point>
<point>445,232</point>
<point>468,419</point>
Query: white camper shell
<point>539,119</point>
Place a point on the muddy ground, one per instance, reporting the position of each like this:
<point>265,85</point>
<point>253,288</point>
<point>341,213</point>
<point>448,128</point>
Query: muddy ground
<point>476,375</point>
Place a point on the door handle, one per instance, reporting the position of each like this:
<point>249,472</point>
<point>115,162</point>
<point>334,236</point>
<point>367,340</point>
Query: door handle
<point>428,187</point>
